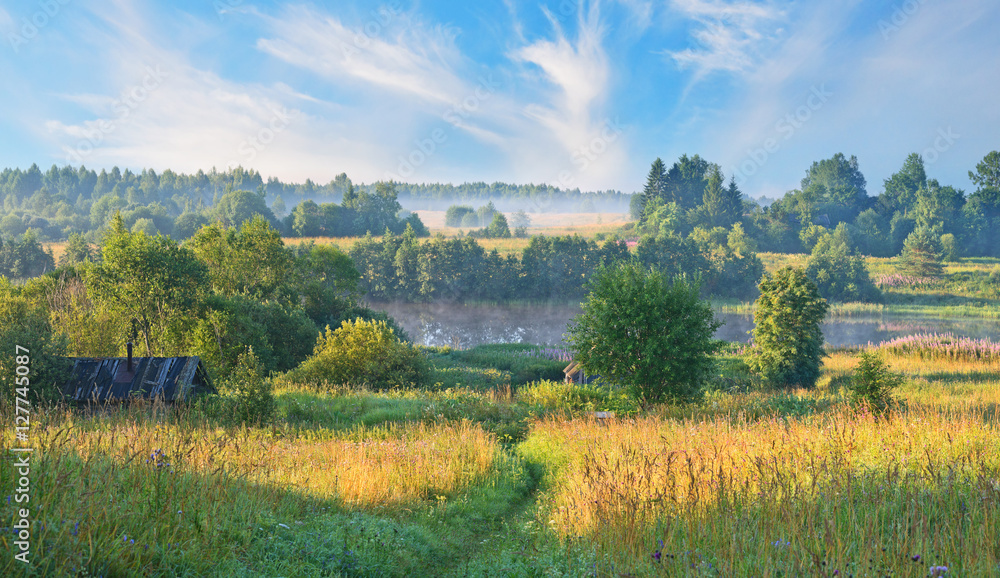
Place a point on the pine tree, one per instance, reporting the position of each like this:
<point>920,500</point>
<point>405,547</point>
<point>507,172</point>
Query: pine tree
<point>655,183</point>
<point>721,206</point>
<point>922,253</point>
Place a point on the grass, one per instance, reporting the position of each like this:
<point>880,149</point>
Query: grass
<point>485,477</point>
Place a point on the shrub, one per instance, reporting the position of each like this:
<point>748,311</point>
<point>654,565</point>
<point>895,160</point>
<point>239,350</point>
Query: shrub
<point>873,382</point>
<point>950,248</point>
<point>788,341</point>
<point>574,397</point>
<point>252,392</point>
<point>362,353</point>
<point>455,214</point>
<point>839,274</point>
<point>640,331</point>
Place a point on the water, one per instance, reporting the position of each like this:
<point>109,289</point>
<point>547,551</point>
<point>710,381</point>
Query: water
<point>469,325</point>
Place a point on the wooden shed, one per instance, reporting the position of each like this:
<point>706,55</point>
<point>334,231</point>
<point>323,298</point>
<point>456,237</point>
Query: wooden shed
<point>574,374</point>
<point>119,378</point>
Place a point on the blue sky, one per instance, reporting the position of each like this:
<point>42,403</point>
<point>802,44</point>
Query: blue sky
<point>578,94</point>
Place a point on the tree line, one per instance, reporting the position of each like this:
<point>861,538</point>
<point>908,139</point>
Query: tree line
<point>402,268</point>
<point>692,194</point>
<point>62,201</point>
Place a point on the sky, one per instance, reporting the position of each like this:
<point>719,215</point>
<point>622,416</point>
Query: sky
<point>573,94</point>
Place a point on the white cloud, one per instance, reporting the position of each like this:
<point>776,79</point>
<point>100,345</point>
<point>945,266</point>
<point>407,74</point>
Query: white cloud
<point>380,96</point>
<point>414,61</point>
<point>730,36</point>
<point>575,117</point>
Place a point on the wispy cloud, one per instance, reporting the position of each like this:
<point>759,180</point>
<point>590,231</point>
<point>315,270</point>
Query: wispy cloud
<point>401,55</point>
<point>730,35</point>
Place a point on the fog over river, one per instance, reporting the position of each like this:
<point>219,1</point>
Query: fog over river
<point>465,326</point>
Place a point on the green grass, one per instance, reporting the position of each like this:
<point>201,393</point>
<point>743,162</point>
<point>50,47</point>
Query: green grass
<point>486,478</point>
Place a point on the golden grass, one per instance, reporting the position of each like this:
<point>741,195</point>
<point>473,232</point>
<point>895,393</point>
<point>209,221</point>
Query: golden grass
<point>795,496</point>
<point>838,490</point>
<point>392,465</point>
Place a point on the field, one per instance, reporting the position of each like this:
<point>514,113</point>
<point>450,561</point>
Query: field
<point>584,224</point>
<point>489,474</point>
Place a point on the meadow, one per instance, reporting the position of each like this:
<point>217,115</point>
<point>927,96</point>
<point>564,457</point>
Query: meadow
<point>488,473</point>
<point>500,469</point>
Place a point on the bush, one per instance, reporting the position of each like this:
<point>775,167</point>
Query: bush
<point>574,397</point>
<point>640,331</point>
<point>455,214</point>
<point>873,382</point>
<point>26,325</point>
<point>839,274</point>
<point>362,353</point>
<point>252,392</point>
<point>788,341</point>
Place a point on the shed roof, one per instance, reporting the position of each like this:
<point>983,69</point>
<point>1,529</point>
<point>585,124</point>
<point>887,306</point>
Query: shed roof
<point>108,378</point>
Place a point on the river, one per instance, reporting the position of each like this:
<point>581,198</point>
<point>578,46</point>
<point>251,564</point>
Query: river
<point>463,326</point>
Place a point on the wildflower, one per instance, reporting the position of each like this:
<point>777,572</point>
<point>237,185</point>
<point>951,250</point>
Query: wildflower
<point>76,528</point>
<point>939,570</point>
<point>915,558</point>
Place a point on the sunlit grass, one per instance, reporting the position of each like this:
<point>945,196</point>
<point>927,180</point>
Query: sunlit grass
<point>799,496</point>
<point>127,489</point>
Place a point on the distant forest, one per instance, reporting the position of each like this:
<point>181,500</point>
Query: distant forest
<point>62,201</point>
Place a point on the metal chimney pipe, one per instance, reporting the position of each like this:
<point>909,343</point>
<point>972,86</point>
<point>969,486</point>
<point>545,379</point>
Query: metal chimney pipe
<point>129,348</point>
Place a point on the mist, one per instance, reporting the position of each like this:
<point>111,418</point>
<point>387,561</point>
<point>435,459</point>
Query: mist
<point>465,325</point>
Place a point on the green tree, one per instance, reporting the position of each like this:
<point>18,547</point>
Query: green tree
<point>25,331</point>
<point>685,182</point>
<point>839,274</point>
<point>641,331</point>
<point>922,253</point>
<point>77,251</point>
<point>236,207</point>
<point>187,224</point>
<point>250,260</point>
<point>788,340</point>
<point>939,207</point>
<point>987,173</point>
<point>721,206</point>
<point>150,279</point>
<point>900,193</point>
<point>455,213</point>
<point>839,185</point>
<point>498,229</point>
<point>278,207</point>
<point>656,183</point>
<point>251,391</point>
<point>25,257</point>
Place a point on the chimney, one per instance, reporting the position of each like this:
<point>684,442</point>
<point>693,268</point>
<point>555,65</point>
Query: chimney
<point>129,348</point>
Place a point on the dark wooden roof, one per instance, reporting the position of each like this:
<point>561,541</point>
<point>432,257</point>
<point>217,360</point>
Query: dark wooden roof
<point>108,378</point>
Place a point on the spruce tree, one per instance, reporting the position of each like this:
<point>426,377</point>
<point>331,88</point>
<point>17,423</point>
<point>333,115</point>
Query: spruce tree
<point>922,253</point>
<point>655,183</point>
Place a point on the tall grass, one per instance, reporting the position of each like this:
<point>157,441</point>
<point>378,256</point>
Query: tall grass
<point>840,492</point>
<point>131,492</point>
